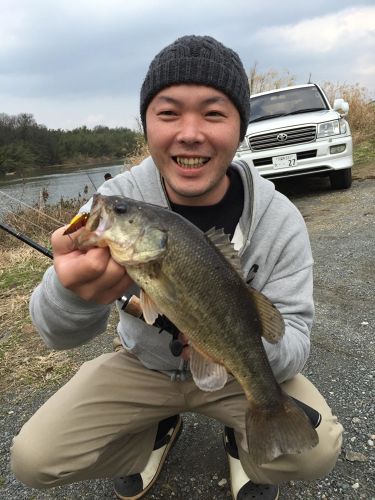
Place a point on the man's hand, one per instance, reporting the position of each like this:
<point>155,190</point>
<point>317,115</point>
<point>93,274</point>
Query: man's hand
<point>93,275</point>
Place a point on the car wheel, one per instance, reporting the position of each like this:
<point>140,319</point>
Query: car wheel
<point>341,179</point>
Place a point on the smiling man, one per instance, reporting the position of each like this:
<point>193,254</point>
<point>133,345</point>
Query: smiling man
<point>119,415</point>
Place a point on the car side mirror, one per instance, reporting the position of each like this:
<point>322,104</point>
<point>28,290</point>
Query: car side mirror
<point>341,106</point>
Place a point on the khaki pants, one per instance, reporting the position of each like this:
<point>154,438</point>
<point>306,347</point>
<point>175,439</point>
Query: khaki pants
<point>103,423</point>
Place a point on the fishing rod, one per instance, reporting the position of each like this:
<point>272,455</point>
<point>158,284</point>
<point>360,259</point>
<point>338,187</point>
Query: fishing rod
<point>26,239</point>
<point>92,182</point>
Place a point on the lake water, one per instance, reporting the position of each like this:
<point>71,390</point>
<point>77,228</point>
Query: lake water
<point>67,183</point>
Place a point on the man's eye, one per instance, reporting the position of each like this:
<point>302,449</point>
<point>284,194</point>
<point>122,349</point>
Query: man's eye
<point>166,112</point>
<point>215,113</point>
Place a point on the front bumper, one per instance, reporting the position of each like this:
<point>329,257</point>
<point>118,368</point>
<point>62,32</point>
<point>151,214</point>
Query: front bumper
<point>312,158</point>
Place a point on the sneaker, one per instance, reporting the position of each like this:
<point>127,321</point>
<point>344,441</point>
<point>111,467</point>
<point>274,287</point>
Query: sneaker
<point>242,487</point>
<point>136,485</point>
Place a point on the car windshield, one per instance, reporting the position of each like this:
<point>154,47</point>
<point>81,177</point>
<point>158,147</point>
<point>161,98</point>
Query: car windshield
<point>286,102</point>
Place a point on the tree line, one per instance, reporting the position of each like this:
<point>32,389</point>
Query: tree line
<point>25,143</point>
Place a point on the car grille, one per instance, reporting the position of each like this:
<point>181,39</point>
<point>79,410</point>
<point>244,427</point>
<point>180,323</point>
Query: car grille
<point>270,140</point>
<point>301,155</point>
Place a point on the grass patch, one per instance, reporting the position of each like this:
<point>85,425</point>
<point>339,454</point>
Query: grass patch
<point>364,152</point>
<point>21,275</point>
<point>24,359</point>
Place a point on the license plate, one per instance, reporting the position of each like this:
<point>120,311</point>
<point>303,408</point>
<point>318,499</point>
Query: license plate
<point>284,161</point>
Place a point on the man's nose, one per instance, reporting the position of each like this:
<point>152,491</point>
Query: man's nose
<point>190,130</point>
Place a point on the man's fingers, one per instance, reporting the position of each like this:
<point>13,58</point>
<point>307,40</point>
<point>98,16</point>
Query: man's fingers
<point>92,274</point>
<point>76,268</point>
<point>63,243</point>
<point>94,292</point>
<point>107,287</point>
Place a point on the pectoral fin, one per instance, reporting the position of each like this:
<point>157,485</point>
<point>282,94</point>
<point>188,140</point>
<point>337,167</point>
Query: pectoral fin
<point>208,375</point>
<point>149,309</point>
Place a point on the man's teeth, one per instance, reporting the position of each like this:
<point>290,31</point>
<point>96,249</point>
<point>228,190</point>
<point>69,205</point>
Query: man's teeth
<point>191,162</point>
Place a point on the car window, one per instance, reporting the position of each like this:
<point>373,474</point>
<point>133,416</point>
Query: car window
<point>286,102</point>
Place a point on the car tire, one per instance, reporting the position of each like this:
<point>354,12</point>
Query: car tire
<point>341,179</point>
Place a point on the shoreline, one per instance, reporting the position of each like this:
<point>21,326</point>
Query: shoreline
<point>105,161</point>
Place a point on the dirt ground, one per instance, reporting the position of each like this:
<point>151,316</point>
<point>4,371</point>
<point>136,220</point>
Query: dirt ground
<point>341,225</point>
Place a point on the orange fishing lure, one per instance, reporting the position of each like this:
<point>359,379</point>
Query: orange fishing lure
<point>78,221</point>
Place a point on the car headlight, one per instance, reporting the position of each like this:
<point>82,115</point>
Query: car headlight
<point>343,127</point>
<point>328,128</point>
<point>244,145</point>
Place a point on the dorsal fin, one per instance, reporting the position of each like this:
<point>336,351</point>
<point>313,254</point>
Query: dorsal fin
<point>222,242</point>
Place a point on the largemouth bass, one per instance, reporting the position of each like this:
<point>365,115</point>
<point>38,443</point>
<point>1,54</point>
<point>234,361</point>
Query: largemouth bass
<point>193,279</point>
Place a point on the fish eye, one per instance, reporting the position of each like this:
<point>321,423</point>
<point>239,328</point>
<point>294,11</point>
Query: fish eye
<point>121,208</point>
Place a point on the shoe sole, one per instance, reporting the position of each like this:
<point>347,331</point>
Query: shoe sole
<point>276,497</point>
<point>175,435</point>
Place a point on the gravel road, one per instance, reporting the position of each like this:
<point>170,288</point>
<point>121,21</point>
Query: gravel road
<point>342,231</point>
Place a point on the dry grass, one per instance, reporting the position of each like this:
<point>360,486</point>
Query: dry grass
<point>39,222</point>
<point>269,80</point>
<point>140,153</point>
<point>24,359</point>
<point>361,115</point>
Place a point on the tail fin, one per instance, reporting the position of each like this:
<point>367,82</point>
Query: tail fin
<point>284,430</point>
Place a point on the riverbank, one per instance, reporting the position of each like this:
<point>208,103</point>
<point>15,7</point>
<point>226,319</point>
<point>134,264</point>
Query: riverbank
<point>73,164</point>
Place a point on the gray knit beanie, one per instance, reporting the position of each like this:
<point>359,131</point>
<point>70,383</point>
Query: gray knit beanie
<point>200,60</point>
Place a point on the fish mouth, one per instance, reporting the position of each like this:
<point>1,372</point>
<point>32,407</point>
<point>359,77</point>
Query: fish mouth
<point>104,223</point>
<point>191,162</point>
<point>99,220</point>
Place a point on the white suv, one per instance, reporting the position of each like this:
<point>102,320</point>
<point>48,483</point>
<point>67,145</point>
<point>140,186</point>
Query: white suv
<point>294,131</point>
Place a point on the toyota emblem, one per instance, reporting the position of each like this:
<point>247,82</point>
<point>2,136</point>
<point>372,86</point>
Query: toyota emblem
<point>282,137</point>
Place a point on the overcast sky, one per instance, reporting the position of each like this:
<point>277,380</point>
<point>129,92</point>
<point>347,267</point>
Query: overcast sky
<point>82,62</point>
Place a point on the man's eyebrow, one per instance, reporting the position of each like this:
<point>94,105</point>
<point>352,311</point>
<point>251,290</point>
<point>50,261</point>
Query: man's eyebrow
<point>216,99</point>
<point>167,99</point>
<point>210,100</point>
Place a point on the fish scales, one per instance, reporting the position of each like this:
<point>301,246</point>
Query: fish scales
<point>217,317</point>
<point>209,313</point>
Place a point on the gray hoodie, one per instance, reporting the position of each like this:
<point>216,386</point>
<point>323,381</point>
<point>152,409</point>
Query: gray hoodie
<point>275,254</point>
